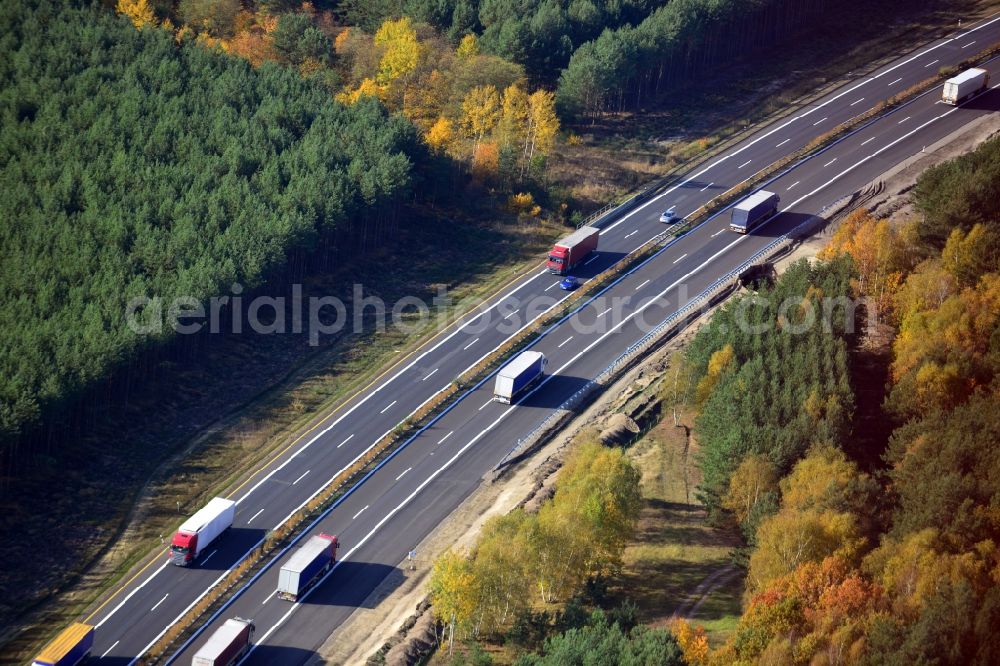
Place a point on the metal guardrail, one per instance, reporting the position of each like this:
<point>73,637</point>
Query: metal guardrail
<point>647,341</point>
<point>637,197</point>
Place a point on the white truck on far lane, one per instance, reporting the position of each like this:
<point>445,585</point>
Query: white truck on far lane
<point>960,88</point>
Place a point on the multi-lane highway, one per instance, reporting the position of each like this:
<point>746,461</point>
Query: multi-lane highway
<point>402,501</point>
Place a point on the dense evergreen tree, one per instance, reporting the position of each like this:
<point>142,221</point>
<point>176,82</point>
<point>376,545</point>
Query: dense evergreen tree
<point>135,166</point>
<point>605,642</point>
<point>772,372</point>
<point>541,35</point>
<point>960,193</point>
<point>677,40</point>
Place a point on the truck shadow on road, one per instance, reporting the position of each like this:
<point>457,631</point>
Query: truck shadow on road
<point>282,655</point>
<point>231,546</point>
<point>351,583</point>
<point>601,261</point>
<point>782,224</point>
<point>988,101</point>
<point>554,392</point>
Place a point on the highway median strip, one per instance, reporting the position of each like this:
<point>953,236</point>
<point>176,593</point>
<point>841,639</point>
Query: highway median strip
<point>278,539</point>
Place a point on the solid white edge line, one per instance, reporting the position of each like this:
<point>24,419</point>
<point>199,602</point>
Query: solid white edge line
<point>674,188</point>
<point>506,412</point>
<point>614,283</point>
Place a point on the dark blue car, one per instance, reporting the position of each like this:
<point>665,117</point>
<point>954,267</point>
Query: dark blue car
<point>569,283</point>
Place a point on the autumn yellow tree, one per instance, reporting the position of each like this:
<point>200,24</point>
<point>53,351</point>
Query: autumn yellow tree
<point>401,53</point>
<point>367,87</point>
<point>441,135</point>
<point>942,355</point>
<point>452,591</point>
<point>499,569</point>
<point>718,363</point>
<point>880,256</point>
<point>754,477</point>
<point>514,118</point>
<point>481,111</point>
<point>967,256</point>
<point>818,518</point>
<point>468,47</point>
<point>926,288</point>
<point>140,12</point>
<point>523,205</point>
<point>693,642</point>
<point>543,125</point>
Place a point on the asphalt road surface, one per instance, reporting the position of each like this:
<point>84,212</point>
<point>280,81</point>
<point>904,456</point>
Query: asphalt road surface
<point>401,502</point>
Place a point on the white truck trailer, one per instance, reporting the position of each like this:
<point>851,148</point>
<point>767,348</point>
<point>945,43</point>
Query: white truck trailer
<point>518,375</point>
<point>227,645</point>
<point>200,530</point>
<point>960,88</point>
<point>755,209</point>
<point>313,559</point>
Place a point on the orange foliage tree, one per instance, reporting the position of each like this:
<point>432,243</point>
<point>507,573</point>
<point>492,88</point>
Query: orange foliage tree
<point>880,256</point>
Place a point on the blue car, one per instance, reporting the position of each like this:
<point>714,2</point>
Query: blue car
<point>569,283</point>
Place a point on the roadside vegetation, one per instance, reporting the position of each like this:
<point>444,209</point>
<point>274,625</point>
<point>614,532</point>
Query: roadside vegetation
<point>522,560</point>
<point>156,171</point>
<point>525,583</point>
<point>897,565</point>
<point>677,565</point>
<point>448,130</point>
<point>840,559</point>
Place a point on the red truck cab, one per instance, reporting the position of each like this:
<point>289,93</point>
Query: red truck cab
<point>573,249</point>
<point>184,546</point>
<point>558,257</point>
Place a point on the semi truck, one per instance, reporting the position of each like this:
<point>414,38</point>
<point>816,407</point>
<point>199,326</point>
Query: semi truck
<point>573,249</point>
<point>960,88</point>
<point>519,374</point>
<point>227,645</point>
<point>313,559</point>
<point>753,210</point>
<point>69,648</point>
<point>200,530</point>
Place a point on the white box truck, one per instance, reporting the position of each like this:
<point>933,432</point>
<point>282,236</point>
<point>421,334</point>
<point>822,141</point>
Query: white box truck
<point>518,375</point>
<point>960,88</point>
<point>753,210</point>
<point>313,559</point>
<point>227,645</point>
<point>200,530</point>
